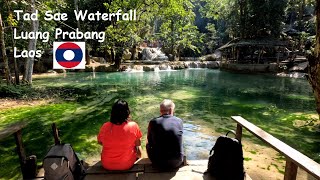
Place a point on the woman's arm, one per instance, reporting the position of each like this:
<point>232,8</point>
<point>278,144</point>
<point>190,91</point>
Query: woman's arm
<point>138,148</point>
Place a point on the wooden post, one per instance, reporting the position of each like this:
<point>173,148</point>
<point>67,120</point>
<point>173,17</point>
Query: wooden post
<point>278,55</point>
<point>30,167</point>
<point>238,54</point>
<point>55,134</point>
<point>185,160</point>
<point>20,151</point>
<point>239,132</point>
<point>291,170</point>
<point>259,56</point>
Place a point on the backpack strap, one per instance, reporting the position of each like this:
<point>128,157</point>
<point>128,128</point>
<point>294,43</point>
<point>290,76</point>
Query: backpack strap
<point>211,151</point>
<point>231,131</point>
<point>234,133</point>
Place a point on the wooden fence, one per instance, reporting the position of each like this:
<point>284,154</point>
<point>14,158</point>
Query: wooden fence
<point>294,158</point>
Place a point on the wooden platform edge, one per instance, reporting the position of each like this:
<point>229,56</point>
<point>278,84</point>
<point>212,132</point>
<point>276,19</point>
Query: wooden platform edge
<point>11,129</point>
<point>297,157</point>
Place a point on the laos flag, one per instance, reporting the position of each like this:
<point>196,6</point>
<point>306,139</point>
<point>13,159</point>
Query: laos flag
<point>69,55</point>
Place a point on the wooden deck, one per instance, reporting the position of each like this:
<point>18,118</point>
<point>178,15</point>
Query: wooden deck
<point>143,170</point>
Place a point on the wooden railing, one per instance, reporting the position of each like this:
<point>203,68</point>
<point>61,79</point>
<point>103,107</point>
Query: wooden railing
<point>294,158</point>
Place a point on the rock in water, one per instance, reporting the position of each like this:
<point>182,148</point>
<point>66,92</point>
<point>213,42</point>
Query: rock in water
<point>153,54</point>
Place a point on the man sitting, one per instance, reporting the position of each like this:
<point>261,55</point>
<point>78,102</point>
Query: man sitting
<point>164,139</point>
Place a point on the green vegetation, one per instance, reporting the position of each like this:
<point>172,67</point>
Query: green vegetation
<point>253,152</point>
<point>280,158</point>
<point>203,97</point>
<point>280,170</point>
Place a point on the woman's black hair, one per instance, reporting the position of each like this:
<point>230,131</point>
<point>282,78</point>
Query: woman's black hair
<point>120,112</point>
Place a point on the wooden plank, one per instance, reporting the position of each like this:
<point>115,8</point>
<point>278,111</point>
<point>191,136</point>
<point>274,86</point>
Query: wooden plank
<point>247,177</point>
<point>290,171</point>
<point>55,134</point>
<point>298,158</point>
<point>127,176</point>
<point>98,169</point>
<point>239,132</point>
<point>190,175</point>
<point>148,168</point>
<point>143,161</point>
<point>194,171</point>
<point>11,129</point>
<point>40,173</point>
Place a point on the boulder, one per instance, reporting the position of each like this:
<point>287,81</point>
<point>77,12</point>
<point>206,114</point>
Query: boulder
<point>98,59</point>
<point>106,68</point>
<point>126,54</point>
<point>148,68</point>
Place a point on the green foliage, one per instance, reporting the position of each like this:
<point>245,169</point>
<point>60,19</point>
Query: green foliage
<point>211,37</point>
<point>251,18</point>
<point>168,21</point>
<point>177,30</point>
<point>265,17</point>
<point>225,15</point>
<point>14,91</point>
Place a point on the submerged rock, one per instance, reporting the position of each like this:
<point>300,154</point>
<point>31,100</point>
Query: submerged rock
<point>105,68</point>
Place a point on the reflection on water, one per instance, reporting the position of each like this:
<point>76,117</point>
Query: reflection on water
<point>197,145</point>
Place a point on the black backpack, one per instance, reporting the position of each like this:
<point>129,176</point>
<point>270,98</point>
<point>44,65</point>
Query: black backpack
<point>61,162</point>
<point>226,161</point>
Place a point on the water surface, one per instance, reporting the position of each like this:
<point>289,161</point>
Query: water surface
<point>208,98</point>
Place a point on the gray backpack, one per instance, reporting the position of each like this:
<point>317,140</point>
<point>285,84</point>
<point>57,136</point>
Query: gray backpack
<point>61,163</point>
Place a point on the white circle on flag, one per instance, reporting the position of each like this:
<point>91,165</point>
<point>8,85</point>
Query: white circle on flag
<point>68,55</point>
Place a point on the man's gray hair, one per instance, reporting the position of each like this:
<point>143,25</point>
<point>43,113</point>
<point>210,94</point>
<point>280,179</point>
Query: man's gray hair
<point>166,105</point>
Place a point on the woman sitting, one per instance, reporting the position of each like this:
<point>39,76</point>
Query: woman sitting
<point>120,139</point>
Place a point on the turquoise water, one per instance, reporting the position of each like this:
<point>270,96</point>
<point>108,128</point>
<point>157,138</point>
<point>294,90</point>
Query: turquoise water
<point>210,97</point>
<point>205,99</point>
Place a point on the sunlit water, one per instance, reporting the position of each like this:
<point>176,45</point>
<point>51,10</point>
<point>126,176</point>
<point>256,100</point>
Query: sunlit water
<point>206,99</point>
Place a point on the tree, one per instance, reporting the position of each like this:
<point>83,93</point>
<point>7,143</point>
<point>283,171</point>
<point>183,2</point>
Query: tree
<point>177,30</point>
<point>226,17</point>
<point>12,22</point>
<point>4,54</point>
<point>31,47</point>
<point>265,18</point>
<point>314,63</point>
<point>247,18</point>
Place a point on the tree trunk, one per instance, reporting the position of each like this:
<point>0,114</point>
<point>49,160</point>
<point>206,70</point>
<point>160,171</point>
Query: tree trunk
<point>112,59</point>
<point>87,57</point>
<point>133,52</point>
<point>292,7</point>
<point>242,7</point>
<point>31,47</point>
<point>16,69</point>
<point>172,40</point>
<point>118,56</point>
<point>301,11</point>
<point>4,54</point>
<point>76,6</point>
<point>314,63</point>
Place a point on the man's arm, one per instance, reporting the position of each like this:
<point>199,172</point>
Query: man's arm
<point>149,135</point>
